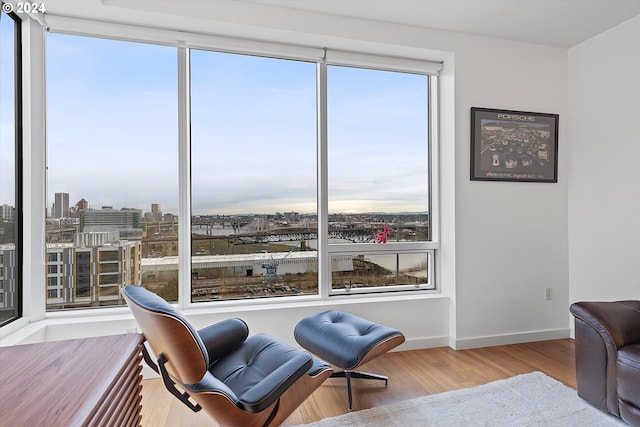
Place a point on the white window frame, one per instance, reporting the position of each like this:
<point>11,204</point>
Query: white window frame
<point>383,63</point>
<point>322,57</point>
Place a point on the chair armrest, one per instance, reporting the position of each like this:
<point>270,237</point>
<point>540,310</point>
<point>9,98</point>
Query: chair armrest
<point>267,391</point>
<point>601,328</point>
<point>617,322</point>
<point>223,337</point>
<point>210,384</point>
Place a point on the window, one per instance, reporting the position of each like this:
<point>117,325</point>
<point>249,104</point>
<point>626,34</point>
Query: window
<point>254,218</point>
<point>306,176</point>
<point>253,154</point>
<point>378,179</point>
<point>112,168</point>
<point>82,277</point>
<point>10,168</point>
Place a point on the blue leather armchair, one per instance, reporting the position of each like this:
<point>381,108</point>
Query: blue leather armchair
<point>238,380</point>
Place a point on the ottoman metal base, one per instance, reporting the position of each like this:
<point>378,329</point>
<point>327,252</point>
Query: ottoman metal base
<point>357,374</point>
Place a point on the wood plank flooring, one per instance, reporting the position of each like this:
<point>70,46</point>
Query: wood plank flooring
<point>411,374</point>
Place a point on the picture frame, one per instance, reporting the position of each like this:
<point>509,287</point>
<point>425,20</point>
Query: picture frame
<point>509,145</point>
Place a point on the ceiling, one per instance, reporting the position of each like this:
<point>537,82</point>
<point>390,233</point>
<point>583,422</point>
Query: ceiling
<point>560,23</point>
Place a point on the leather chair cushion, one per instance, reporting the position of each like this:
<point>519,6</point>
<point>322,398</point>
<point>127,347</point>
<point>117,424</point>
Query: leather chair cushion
<point>630,414</point>
<point>340,338</point>
<point>222,337</point>
<point>628,373</point>
<point>260,370</point>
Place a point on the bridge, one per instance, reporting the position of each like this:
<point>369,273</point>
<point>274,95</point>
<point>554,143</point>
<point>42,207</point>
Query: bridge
<point>291,234</point>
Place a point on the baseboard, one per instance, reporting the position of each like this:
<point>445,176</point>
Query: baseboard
<point>420,343</point>
<point>506,339</point>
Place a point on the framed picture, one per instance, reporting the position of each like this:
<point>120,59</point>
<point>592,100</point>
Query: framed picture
<point>513,146</point>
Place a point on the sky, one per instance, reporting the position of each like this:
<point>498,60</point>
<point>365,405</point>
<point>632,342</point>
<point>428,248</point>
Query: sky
<point>7,117</point>
<point>112,131</point>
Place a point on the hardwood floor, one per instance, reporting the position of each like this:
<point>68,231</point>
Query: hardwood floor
<point>411,374</point>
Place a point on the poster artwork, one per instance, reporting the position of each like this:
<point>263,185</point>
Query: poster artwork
<point>513,146</point>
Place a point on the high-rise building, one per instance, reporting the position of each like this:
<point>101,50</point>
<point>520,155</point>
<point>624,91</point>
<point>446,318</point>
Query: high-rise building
<point>155,208</point>
<point>6,212</point>
<point>61,205</point>
<point>125,221</point>
<point>92,270</point>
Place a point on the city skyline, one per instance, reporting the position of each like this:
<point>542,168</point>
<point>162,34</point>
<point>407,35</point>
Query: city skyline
<point>163,211</point>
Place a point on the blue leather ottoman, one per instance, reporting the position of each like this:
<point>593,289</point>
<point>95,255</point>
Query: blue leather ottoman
<point>347,342</point>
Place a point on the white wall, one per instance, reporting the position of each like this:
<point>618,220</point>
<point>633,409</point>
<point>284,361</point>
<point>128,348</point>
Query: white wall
<point>604,184</point>
<point>502,243</point>
<point>511,238</point>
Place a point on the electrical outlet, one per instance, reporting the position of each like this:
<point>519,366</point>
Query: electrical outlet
<point>547,293</point>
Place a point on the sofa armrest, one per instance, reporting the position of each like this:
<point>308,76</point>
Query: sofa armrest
<point>618,322</point>
<point>601,328</point>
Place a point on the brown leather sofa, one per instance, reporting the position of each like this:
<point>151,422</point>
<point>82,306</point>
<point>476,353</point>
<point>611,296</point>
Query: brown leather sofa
<point>607,338</point>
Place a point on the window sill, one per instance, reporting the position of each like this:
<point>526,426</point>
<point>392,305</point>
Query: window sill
<point>117,320</point>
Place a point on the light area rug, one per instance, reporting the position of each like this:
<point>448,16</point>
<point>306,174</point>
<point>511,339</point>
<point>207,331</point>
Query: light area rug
<point>533,399</point>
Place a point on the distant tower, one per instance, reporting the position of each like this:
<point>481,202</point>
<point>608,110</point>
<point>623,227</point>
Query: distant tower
<point>155,208</point>
<point>82,205</point>
<point>61,205</point>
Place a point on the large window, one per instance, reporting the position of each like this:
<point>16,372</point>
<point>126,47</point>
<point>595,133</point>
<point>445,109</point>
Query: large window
<point>10,168</point>
<point>112,172</point>
<point>302,176</point>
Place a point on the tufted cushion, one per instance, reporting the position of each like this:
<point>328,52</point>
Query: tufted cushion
<point>260,370</point>
<point>340,338</point>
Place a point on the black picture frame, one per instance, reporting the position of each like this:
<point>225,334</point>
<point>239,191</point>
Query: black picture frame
<point>511,145</point>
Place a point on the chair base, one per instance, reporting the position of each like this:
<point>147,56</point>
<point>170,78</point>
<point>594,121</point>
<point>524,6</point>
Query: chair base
<point>358,374</point>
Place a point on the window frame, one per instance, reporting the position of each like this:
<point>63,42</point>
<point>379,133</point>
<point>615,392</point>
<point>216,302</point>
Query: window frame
<point>184,43</point>
<point>97,280</point>
<point>18,152</point>
<point>429,246</point>
<point>310,69</point>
